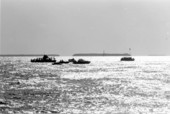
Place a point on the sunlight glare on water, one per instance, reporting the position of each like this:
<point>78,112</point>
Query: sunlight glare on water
<point>105,86</point>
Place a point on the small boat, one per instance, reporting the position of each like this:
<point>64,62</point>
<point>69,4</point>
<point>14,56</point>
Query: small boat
<point>72,60</point>
<point>65,62</point>
<point>57,63</point>
<point>45,58</point>
<point>60,62</point>
<point>81,61</point>
<point>127,59</point>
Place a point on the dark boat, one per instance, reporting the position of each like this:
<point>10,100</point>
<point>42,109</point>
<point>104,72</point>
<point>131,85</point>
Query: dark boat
<point>81,61</point>
<point>127,59</point>
<point>65,62</point>
<point>45,58</point>
<point>72,60</point>
<point>57,63</point>
<point>60,62</point>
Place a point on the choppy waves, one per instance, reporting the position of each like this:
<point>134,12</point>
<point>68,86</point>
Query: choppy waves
<point>106,86</point>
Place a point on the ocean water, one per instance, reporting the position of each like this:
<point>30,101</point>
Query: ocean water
<point>106,86</point>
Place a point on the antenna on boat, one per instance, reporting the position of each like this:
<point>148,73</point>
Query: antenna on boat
<point>103,53</point>
<point>130,51</point>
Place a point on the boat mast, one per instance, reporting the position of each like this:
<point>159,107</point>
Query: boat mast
<point>130,51</point>
<point>103,53</point>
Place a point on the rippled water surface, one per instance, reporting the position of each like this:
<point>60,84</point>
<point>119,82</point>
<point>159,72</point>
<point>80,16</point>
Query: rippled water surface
<point>106,86</point>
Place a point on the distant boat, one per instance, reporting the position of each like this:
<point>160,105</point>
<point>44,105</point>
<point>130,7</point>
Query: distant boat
<point>56,63</point>
<point>71,60</point>
<point>81,61</point>
<point>60,62</point>
<point>45,58</point>
<point>127,59</point>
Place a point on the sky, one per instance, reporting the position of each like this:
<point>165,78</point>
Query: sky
<point>66,27</point>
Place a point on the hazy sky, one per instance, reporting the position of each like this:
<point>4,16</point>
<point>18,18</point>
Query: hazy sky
<point>71,26</point>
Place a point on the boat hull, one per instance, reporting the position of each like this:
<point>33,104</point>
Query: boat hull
<point>42,61</point>
<point>87,62</point>
<point>60,63</point>
<point>127,59</point>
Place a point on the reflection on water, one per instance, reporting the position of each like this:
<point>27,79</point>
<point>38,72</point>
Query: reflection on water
<point>106,86</point>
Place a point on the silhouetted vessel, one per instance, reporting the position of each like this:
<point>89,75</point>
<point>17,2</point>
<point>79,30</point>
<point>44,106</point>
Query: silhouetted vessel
<point>81,61</point>
<point>57,63</point>
<point>60,62</point>
<point>72,60</point>
<point>45,58</point>
<point>127,59</point>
